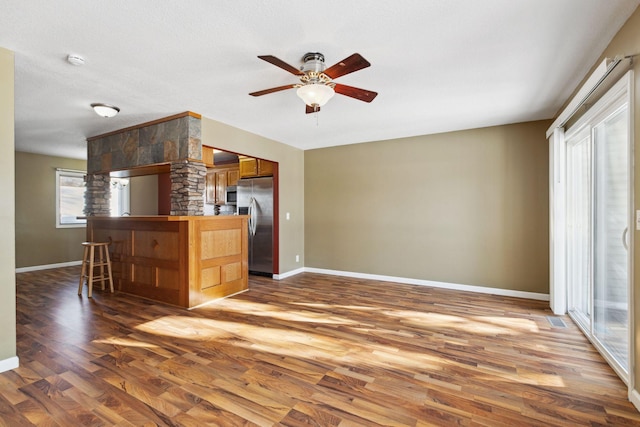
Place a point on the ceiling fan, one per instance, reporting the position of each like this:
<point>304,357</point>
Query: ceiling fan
<point>316,85</point>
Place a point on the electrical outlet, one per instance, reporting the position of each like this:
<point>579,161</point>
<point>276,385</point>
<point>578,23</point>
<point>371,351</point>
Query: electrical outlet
<point>297,258</point>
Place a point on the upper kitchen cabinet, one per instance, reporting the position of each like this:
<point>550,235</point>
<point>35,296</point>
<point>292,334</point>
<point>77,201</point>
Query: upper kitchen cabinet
<point>221,187</point>
<point>207,156</point>
<point>217,181</point>
<point>210,188</point>
<point>252,167</point>
<point>233,175</point>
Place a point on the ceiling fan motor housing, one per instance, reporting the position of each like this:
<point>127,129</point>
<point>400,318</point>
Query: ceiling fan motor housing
<point>313,61</point>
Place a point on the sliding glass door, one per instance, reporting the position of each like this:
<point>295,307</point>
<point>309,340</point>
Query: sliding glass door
<point>579,200</point>
<point>611,231</point>
<point>598,198</point>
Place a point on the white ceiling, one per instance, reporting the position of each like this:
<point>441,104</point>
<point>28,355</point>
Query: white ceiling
<point>438,65</point>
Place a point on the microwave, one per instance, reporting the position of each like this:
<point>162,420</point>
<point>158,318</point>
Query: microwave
<point>231,197</point>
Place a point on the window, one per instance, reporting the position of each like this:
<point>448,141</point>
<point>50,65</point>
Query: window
<point>119,202</point>
<point>70,187</point>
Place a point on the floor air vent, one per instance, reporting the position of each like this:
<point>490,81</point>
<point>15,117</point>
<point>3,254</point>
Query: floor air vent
<point>556,322</point>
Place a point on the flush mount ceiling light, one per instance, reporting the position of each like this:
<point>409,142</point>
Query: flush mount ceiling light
<point>105,110</point>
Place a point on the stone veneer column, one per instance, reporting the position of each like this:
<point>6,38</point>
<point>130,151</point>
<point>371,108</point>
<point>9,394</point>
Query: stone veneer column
<point>175,140</point>
<point>187,188</point>
<point>97,196</point>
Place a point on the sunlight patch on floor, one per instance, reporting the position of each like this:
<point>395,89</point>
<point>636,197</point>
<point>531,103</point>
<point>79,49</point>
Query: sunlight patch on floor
<point>523,325</point>
<point>547,380</point>
<point>295,335</point>
<point>484,325</point>
<point>334,306</point>
<point>286,342</point>
<point>267,310</point>
<point>192,328</point>
<point>521,376</point>
<point>125,342</point>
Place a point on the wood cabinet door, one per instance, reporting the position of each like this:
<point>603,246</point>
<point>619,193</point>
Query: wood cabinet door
<point>207,156</point>
<point>232,177</point>
<point>221,187</point>
<point>248,167</point>
<point>265,168</point>
<point>210,185</point>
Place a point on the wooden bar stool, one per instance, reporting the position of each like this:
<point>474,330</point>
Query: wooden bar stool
<point>89,263</point>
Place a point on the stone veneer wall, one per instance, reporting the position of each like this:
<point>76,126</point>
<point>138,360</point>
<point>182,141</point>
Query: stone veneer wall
<point>175,141</point>
<point>97,195</point>
<point>187,188</point>
<point>162,142</point>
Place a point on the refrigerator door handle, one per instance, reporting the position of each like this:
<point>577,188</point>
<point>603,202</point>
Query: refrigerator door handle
<point>250,217</point>
<point>253,216</point>
<point>254,212</point>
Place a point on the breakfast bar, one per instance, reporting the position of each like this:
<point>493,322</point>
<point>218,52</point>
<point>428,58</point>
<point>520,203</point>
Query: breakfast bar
<point>181,260</point>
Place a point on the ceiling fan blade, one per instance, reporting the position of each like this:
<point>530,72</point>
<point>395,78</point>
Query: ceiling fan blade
<point>273,89</point>
<point>309,109</point>
<point>354,92</point>
<point>280,63</point>
<point>348,65</point>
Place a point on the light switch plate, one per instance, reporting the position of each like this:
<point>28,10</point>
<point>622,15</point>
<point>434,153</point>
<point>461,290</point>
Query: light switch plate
<point>638,220</point>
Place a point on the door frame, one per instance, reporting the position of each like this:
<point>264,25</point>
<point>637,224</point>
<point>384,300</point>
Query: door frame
<point>623,90</point>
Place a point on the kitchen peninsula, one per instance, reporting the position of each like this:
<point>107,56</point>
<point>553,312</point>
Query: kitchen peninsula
<point>180,260</point>
<point>183,258</point>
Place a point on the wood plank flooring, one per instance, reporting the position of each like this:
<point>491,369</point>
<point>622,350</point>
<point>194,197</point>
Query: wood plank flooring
<point>311,350</point>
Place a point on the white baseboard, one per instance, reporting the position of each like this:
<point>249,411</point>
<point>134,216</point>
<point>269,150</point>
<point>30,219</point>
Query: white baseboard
<point>405,280</point>
<point>9,364</point>
<point>634,397</point>
<point>289,273</point>
<point>419,282</point>
<point>47,266</point>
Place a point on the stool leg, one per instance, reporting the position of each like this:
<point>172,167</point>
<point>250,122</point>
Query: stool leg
<point>101,261</point>
<point>90,278</point>
<point>109,269</point>
<point>84,269</point>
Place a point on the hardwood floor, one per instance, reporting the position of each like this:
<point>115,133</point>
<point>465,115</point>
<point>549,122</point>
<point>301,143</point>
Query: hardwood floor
<point>308,350</point>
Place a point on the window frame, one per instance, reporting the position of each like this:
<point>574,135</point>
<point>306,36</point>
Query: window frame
<point>79,223</point>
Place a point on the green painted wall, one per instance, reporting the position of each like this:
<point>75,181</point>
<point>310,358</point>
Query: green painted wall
<point>38,241</point>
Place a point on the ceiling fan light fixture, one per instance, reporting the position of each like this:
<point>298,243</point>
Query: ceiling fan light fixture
<point>105,110</point>
<point>315,95</point>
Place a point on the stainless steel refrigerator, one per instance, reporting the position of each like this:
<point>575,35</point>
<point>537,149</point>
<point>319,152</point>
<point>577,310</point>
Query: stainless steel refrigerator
<point>255,198</point>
